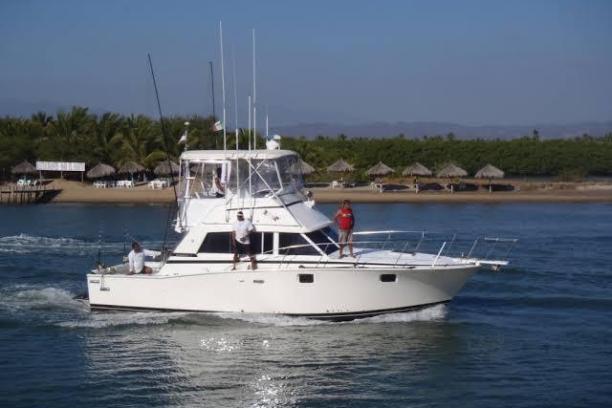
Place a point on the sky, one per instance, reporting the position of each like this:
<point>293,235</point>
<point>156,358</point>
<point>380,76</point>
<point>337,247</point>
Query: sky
<point>492,62</point>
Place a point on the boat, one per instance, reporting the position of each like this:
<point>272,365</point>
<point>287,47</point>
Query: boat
<point>299,271</point>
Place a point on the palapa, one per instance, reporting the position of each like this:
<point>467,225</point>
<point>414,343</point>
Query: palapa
<point>100,170</point>
<point>25,167</point>
<point>165,169</point>
<point>416,169</point>
<point>340,166</point>
<point>451,170</point>
<point>130,168</point>
<point>306,168</point>
<point>489,172</point>
<point>379,169</point>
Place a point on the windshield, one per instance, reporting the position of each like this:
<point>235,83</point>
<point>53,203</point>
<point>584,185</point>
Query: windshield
<point>255,177</point>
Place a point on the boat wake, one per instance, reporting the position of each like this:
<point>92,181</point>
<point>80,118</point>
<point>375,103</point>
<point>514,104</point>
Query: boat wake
<point>22,244</point>
<point>27,297</point>
<point>433,313</point>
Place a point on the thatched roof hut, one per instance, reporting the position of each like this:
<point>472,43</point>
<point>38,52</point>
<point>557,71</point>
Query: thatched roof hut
<point>130,168</point>
<point>340,166</point>
<point>379,169</point>
<point>489,172</point>
<point>416,169</point>
<point>165,168</point>
<point>100,170</point>
<point>306,168</point>
<point>25,167</point>
<point>451,170</point>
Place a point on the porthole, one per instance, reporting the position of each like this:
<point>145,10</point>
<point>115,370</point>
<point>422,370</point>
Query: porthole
<point>306,277</point>
<point>388,277</point>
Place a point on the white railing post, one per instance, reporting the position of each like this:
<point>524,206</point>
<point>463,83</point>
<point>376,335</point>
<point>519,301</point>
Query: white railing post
<point>439,253</point>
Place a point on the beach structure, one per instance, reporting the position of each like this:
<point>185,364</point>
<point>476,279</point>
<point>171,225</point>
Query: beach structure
<point>452,171</point>
<point>416,170</point>
<point>489,172</point>
<point>131,168</point>
<point>307,169</point>
<point>166,168</point>
<point>60,167</point>
<point>24,168</point>
<point>380,169</point>
<point>340,166</point>
<point>100,170</point>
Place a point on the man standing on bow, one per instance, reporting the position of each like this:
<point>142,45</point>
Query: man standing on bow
<point>346,222</point>
<point>241,240</point>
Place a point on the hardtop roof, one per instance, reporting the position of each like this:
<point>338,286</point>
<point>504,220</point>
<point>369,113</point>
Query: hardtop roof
<point>197,155</point>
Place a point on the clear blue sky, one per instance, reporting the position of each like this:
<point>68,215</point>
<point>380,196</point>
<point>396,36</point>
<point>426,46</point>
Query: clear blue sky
<point>470,62</point>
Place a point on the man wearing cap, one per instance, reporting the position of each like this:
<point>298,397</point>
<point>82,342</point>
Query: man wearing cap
<point>240,238</point>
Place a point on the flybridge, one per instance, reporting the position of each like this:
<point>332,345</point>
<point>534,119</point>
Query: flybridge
<point>267,184</point>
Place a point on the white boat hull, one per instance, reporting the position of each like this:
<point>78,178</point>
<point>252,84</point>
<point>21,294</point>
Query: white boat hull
<point>335,293</point>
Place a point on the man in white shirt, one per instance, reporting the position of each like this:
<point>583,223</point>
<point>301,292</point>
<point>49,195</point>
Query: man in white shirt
<point>241,240</point>
<point>136,259</point>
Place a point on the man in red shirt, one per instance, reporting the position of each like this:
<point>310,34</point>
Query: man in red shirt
<point>346,221</point>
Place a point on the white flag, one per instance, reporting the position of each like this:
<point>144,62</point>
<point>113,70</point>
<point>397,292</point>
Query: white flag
<point>183,138</point>
<point>218,126</point>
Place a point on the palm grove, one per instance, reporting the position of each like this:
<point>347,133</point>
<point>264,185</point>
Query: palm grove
<point>115,139</point>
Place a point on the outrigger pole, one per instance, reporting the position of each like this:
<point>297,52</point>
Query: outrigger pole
<point>165,140</point>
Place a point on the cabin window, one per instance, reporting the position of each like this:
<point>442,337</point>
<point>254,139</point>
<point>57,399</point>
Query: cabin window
<point>388,277</point>
<point>306,278</point>
<point>323,241</point>
<point>221,242</point>
<point>217,243</point>
<point>262,242</point>
<point>295,244</point>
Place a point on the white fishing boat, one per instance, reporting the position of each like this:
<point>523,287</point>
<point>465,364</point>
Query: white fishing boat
<point>299,271</point>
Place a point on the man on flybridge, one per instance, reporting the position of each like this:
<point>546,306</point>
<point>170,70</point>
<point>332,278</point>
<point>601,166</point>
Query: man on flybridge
<point>241,240</point>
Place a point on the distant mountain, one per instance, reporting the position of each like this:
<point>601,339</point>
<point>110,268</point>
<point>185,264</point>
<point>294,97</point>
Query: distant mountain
<point>420,129</point>
<point>17,107</point>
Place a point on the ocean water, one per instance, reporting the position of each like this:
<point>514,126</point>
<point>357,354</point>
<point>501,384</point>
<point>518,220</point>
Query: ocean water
<point>537,333</point>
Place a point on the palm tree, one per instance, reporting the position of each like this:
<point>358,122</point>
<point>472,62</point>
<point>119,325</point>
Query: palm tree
<point>138,140</point>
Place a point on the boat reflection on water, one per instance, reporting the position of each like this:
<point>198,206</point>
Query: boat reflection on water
<point>187,359</point>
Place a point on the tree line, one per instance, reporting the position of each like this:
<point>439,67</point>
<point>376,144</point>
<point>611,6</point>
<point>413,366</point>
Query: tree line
<point>79,135</point>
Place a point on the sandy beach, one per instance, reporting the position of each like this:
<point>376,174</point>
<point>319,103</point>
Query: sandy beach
<point>75,192</point>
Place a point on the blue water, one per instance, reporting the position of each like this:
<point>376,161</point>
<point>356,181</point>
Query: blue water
<point>535,334</point>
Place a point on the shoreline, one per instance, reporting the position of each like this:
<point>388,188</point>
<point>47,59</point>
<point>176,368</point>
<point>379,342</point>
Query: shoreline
<point>75,192</point>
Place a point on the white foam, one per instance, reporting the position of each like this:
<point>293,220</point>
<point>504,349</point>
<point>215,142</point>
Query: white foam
<point>432,313</point>
<point>21,297</point>
<point>97,320</point>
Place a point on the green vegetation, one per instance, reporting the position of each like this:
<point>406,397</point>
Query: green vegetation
<point>114,139</point>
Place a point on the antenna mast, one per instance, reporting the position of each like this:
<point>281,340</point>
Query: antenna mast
<point>235,117</point>
<point>212,89</point>
<point>212,95</point>
<point>223,86</point>
<point>254,97</point>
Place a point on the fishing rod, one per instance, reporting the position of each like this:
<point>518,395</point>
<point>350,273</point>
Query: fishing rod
<point>165,140</point>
